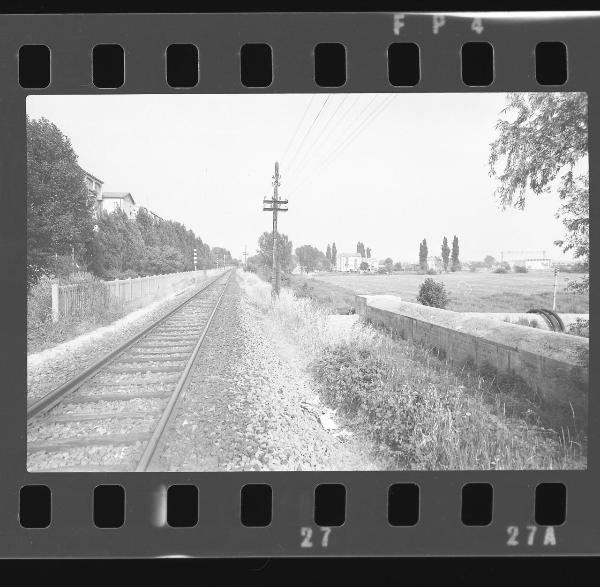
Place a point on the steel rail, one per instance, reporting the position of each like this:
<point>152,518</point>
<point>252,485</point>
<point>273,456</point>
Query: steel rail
<point>52,398</point>
<point>154,440</point>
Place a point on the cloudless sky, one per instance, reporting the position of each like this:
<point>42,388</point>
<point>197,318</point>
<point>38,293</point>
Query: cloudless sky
<point>385,169</point>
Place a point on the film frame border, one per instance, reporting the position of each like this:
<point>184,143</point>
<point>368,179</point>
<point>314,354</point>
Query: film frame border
<point>219,531</point>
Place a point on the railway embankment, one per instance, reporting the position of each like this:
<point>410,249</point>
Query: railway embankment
<point>552,364</point>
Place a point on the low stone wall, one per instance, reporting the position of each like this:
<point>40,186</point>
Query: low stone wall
<point>554,365</point>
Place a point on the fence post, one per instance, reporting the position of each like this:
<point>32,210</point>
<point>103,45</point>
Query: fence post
<point>130,289</point>
<point>55,310</point>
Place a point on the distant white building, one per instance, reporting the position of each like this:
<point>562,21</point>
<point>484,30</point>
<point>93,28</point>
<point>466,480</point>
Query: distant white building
<point>533,260</point>
<point>112,201</point>
<point>436,263</point>
<point>352,262</point>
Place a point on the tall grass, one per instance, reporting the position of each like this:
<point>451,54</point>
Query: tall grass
<point>420,411</point>
<point>42,332</point>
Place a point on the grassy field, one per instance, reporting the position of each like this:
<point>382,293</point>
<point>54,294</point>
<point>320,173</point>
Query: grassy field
<point>468,292</point>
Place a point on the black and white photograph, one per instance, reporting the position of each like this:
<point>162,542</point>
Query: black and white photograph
<point>307,282</point>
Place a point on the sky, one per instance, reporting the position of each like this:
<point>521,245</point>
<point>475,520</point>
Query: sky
<point>384,169</point>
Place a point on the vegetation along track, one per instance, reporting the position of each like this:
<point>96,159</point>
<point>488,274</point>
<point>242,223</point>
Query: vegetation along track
<point>112,416</point>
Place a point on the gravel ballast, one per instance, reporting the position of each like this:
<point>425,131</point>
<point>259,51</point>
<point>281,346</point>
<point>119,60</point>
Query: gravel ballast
<point>251,404</point>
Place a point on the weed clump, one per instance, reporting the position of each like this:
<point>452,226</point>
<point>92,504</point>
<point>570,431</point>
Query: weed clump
<point>580,327</point>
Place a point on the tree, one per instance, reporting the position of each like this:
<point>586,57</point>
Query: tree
<point>160,260</point>
<point>364,266</point>
<point>389,264</point>
<point>360,249</point>
<point>221,255</point>
<point>445,253</point>
<point>368,253</point>
<point>148,227</point>
<point>398,266</point>
<point>284,251</point>
<point>423,253</point>
<point>542,146</point>
<point>455,260</point>
<point>328,252</point>
<point>118,245</point>
<point>310,258</point>
<point>489,261</point>
<point>333,256</point>
<point>60,213</point>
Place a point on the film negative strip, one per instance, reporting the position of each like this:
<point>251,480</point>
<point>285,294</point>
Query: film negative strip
<point>271,394</point>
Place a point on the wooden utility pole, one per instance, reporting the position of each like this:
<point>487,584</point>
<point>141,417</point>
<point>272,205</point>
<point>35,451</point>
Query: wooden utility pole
<point>245,258</point>
<point>555,284</point>
<point>275,205</point>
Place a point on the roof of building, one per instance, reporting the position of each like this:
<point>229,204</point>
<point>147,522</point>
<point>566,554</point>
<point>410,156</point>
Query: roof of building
<point>90,175</point>
<point>349,254</point>
<point>118,195</point>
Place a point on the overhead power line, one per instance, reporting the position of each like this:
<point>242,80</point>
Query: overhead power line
<point>314,144</point>
<point>345,133</point>
<point>308,132</point>
<point>297,128</point>
<point>374,114</point>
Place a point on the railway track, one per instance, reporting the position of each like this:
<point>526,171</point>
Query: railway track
<point>113,415</point>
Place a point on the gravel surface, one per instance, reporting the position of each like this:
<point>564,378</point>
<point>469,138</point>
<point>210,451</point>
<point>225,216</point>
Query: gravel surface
<point>251,404</point>
<point>94,390</point>
<point>50,368</point>
<point>102,427</point>
<point>132,405</point>
<point>123,456</point>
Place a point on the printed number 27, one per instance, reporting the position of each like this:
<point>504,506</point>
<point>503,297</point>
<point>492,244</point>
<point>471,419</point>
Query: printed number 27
<point>307,533</point>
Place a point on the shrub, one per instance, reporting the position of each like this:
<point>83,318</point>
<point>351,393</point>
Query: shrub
<point>580,327</point>
<point>500,270</point>
<point>520,269</point>
<point>431,272</point>
<point>433,293</point>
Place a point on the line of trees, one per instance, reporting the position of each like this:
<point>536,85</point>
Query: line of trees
<point>147,245</point>
<point>362,251</point>
<point>331,255</point>
<point>308,257</point>
<point>65,233</point>
<point>449,257</point>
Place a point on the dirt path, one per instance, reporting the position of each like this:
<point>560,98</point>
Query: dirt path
<point>251,405</point>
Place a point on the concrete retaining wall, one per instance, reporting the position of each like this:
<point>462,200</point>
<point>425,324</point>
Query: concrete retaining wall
<point>554,365</point>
